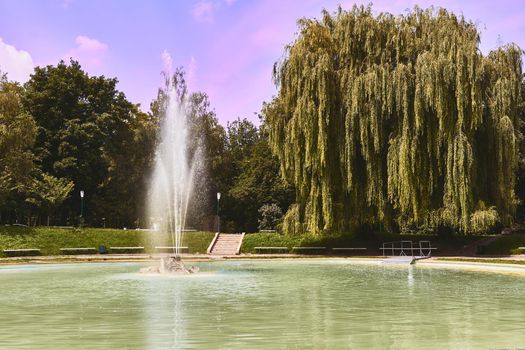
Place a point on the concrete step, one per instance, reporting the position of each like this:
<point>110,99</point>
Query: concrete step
<point>226,244</point>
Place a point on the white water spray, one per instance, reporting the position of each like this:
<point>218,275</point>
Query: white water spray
<point>172,180</point>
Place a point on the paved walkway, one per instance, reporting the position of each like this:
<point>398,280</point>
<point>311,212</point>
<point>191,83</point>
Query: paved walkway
<point>204,257</point>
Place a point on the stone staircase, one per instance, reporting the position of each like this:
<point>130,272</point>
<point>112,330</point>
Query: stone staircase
<point>226,244</point>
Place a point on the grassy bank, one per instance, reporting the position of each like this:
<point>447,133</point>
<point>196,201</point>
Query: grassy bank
<point>50,240</point>
<point>506,245</point>
<point>447,245</point>
<point>485,260</point>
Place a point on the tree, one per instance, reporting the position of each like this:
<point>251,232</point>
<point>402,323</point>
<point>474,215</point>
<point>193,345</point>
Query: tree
<point>396,121</point>
<point>215,170</point>
<point>256,179</point>
<point>236,162</point>
<point>242,137</point>
<point>48,193</point>
<point>90,134</point>
<point>17,136</point>
<point>270,216</point>
<point>121,196</point>
<point>520,177</point>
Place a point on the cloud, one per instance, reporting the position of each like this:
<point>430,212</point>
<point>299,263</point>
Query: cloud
<point>88,51</point>
<point>203,12</point>
<point>18,64</point>
<point>66,3</point>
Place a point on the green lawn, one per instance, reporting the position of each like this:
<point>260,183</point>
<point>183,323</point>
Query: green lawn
<point>264,239</point>
<point>447,245</point>
<point>486,260</point>
<point>50,240</point>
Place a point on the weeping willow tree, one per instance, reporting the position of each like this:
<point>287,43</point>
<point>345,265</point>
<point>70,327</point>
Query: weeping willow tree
<point>397,121</point>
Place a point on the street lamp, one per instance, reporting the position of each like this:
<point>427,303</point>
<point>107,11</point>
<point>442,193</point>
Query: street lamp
<point>218,217</point>
<point>81,207</point>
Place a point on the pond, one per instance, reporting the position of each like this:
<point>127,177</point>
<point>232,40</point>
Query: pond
<point>277,304</point>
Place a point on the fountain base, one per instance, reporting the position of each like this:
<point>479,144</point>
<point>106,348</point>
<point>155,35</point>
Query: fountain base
<point>171,265</point>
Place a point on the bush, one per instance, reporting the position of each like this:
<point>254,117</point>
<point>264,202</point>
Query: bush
<point>484,221</point>
<point>270,216</point>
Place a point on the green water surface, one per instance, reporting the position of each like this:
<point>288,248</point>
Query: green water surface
<point>260,305</point>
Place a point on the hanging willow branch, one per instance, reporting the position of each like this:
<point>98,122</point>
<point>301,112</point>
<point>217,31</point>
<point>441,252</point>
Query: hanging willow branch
<point>399,121</point>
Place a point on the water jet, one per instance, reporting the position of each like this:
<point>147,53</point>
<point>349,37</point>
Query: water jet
<point>172,179</point>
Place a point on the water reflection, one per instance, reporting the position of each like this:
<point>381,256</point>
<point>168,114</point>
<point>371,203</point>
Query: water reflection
<point>260,305</point>
<point>410,279</point>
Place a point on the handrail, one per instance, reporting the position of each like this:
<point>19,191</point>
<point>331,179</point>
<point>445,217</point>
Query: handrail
<point>403,248</point>
<point>210,247</point>
<point>240,244</point>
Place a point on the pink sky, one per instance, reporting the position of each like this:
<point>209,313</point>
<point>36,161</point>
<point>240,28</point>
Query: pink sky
<point>227,47</point>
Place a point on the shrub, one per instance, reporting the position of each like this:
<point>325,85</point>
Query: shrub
<point>270,216</point>
<point>484,221</point>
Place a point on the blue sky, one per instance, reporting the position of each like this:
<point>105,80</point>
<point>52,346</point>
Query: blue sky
<point>227,47</point>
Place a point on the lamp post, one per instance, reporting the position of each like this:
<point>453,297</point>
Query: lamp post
<point>81,207</point>
<point>218,217</point>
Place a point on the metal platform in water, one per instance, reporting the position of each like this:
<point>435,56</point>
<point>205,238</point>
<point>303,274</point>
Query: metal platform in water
<point>402,260</point>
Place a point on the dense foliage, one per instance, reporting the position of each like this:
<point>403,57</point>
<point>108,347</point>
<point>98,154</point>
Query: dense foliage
<point>236,161</point>
<point>380,122</point>
<point>65,131</point>
<point>24,187</point>
<point>271,215</point>
<point>396,121</point>
<point>17,136</point>
<point>255,181</point>
<point>89,134</point>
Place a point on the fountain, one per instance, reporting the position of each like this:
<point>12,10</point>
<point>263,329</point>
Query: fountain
<point>172,180</point>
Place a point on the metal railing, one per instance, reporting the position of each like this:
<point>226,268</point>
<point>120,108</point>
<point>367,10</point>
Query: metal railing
<point>407,248</point>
